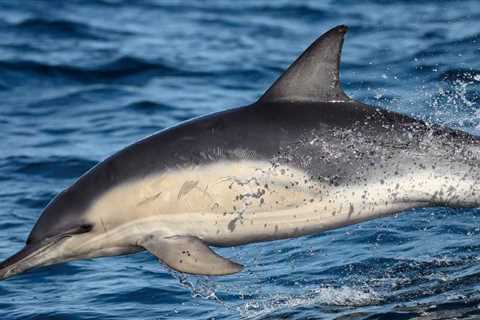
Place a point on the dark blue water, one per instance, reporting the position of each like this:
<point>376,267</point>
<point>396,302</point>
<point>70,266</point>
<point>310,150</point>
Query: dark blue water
<point>82,79</point>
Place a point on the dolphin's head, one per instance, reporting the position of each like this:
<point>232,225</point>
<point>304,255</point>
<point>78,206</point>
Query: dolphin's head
<point>65,214</point>
<point>61,224</point>
<point>64,232</point>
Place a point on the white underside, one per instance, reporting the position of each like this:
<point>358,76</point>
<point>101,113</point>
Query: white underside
<point>232,203</point>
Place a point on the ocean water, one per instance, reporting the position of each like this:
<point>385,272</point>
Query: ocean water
<point>81,79</point>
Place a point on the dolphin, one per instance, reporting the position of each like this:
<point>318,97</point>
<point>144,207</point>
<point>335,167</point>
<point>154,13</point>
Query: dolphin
<point>303,159</point>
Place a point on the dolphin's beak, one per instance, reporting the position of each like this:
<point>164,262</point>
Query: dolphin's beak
<point>30,257</point>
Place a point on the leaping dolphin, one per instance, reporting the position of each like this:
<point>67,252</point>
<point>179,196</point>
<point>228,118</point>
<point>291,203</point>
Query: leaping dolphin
<point>303,159</point>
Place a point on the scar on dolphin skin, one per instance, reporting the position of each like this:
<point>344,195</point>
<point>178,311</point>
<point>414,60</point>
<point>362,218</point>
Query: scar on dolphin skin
<point>239,218</point>
<point>350,211</point>
<point>187,186</point>
<point>190,185</point>
<point>233,223</point>
<point>149,199</point>
<point>103,225</point>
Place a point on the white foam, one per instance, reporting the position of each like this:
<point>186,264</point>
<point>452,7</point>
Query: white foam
<point>329,296</point>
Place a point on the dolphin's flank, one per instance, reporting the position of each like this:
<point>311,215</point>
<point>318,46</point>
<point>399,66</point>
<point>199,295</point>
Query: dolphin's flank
<point>302,159</point>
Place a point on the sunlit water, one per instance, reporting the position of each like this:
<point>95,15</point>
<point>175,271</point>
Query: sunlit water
<point>81,79</point>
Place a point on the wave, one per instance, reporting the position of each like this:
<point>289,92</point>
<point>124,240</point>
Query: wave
<point>150,107</point>
<point>38,27</point>
<point>117,69</point>
<point>56,167</point>
<point>126,69</point>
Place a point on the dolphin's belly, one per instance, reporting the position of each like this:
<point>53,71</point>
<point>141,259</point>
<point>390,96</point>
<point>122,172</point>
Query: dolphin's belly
<point>224,190</point>
<point>231,203</point>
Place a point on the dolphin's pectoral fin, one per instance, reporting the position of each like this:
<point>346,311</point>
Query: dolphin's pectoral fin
<point>189,255</point>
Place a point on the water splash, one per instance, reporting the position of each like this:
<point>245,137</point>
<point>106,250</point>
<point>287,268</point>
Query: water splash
<point>344,296</point>
<point>454,106</point>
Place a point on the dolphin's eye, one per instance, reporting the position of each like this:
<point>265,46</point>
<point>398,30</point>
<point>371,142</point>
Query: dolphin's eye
<point>85,228</point>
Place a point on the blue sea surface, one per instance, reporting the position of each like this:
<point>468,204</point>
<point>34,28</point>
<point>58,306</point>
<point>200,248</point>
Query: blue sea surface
<point>81,79</point>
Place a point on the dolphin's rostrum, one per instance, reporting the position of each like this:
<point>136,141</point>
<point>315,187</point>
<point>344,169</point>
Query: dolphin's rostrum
<point>302,159</point>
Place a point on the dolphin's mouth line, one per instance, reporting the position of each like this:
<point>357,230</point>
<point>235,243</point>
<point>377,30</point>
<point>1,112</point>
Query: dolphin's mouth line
<point>44,248</point>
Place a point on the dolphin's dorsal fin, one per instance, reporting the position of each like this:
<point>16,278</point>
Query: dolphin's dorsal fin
<point>314,76</point>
